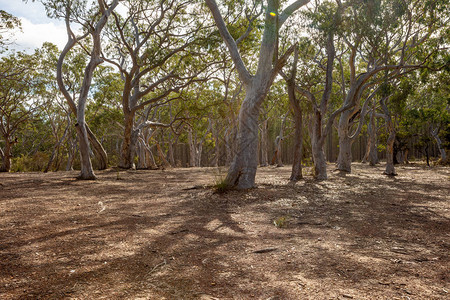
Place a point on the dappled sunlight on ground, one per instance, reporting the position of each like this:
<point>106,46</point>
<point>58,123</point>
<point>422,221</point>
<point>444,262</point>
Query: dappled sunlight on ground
<point>167,235</point>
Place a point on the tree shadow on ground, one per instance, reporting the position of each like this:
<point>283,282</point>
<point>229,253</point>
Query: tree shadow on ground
<point>151,237</point>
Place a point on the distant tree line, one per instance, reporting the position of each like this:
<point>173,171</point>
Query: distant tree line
<point>150,84</point>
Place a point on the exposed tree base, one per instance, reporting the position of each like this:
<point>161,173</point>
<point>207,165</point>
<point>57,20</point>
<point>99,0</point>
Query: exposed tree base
<point>321,177</point>
<point>295,178</point>
<point>390,174</point>
<point>86,177</point>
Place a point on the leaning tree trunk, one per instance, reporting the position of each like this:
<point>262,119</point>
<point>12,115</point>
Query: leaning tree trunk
<point>99,151</point>
<point>435,134</point>
<point>82,132</point>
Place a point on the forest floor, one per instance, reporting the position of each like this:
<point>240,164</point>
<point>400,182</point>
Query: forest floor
<point>165,234</point>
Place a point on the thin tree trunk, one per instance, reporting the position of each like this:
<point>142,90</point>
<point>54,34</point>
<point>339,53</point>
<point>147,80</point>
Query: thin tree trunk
<point>372,130</point>
<point>170,151</point>
<point>405,155</point>
<point>216,145</point>
<point>435,134</point>
<point>52,156</point>
<point>296,173</point>
<point>390,168</point>
<point>192,149</point>
<point>264,143</point>
<point>99,151</point>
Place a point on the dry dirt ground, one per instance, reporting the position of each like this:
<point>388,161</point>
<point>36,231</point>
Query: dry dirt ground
<point>165,234</point>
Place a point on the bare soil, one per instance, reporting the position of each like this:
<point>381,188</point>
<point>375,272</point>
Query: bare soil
<point>165,234</point>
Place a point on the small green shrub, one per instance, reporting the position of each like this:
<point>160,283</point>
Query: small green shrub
<point>220,185</point>
<point>280,222</point>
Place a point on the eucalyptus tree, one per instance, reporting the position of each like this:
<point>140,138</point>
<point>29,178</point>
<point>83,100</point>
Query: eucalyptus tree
<point>93,19</point>
<point>316,79</point>
<point>153,46</point>
<point>8,22</point>
<point>20,87</point>
<point>384,39</point>
<point>242,171</point>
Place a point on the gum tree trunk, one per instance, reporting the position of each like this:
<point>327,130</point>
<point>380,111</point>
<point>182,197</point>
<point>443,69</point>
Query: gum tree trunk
<point>390,169</point>
<point>344,161</point>
<point>192,150</point>
<point>435,134</point>
<point>296,173</point>
<point>129,142</point>
<point>242,171</point>
<point>373,151</point>
<point>264,143</point>
<point>317,144</point>
<point>87,172</point>
<point>99,151</point>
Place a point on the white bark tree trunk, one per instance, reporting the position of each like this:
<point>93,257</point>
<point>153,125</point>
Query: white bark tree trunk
<point>81,127</point>
<point>242,171</point>
<point>435,134</point>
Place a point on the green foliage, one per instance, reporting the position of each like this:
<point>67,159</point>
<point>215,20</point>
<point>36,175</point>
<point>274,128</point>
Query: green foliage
<point>34,163</point>
<point>220,185</point>
<point>281,222</point>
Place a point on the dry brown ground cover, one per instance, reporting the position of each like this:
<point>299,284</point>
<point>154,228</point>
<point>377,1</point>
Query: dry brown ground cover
<point>167,235</point>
